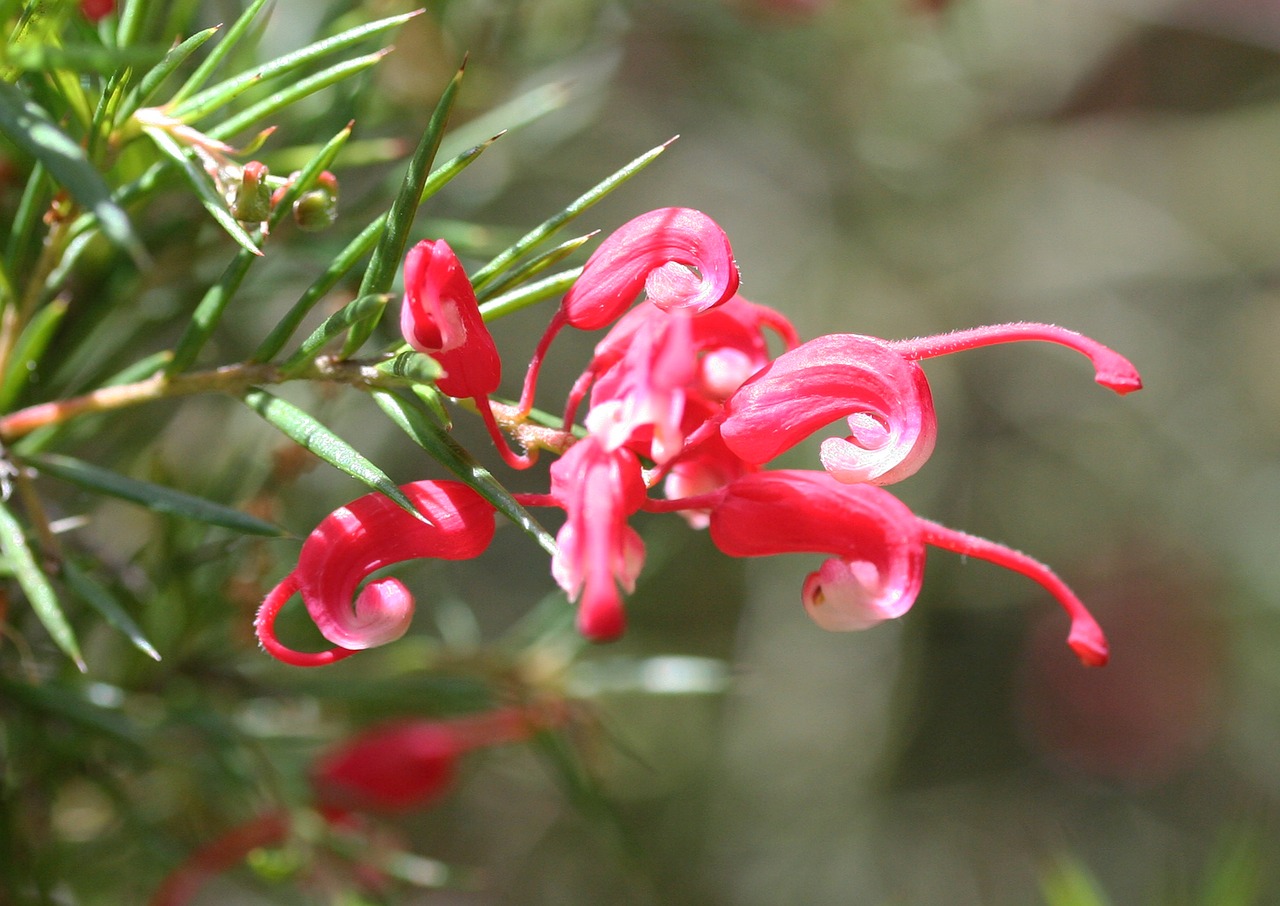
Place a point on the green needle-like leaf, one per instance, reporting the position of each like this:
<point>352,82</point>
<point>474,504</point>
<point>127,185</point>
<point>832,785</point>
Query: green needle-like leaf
<point>454,457</point>
<point>384,263</point>
<point>156,76</point>
<point>28,126</point>
<point>413,368</point>
<point>35,584</point>
<point>533,267</point>
<point>219,53</point>
<point>218,95</point>
<point>309,434</point>
<point>296,91</point>
<point>344,318</point>
<point>158,498</point>
<point>530,294</point>
<point>87,589</point>
<point>26,354</point>
<point>548,227</point>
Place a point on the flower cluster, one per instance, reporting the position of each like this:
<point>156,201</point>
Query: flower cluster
<point>686,404</point>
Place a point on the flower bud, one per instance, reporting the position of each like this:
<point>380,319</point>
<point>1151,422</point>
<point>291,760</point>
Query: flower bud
<point>251,198</point>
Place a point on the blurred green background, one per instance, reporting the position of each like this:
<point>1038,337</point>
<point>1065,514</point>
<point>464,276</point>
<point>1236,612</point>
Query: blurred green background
<point>881,168</point>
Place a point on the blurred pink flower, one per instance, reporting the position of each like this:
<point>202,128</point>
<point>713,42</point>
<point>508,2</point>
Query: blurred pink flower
<point>93,10</point>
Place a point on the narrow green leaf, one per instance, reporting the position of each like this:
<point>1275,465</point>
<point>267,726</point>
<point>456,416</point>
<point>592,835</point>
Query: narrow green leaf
<point>350,314</point>
<point>28,126</point>
<point>25,219</point>
<point>71,705</point>
<point>207,192</point>
<point>31,344</point>
<point>412,367</point>
<point>530,294</point>
<point>155,497</point>
<point>87,589</point>
<point>155,77</point>
<point>548,227</point>
<point>533,267</point>
<point>219,53</point>
<point>296,91</point>
<point>35,584</point>
<point>454,457</point>
<point>204,320</point>
<point>1069,883</point>
<point>385,261</point>
<point>218,95</point>
<point>304,430</point>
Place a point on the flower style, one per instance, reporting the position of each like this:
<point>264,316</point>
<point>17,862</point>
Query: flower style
<point>877,385</point>
<point>879,548</point>
<point>599,490</point>
<point>354,541</point>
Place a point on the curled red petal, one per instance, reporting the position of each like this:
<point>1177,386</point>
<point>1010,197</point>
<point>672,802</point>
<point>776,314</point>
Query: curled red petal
<point>885,397</point>
<point>679,256</point>
<point>876,539</point>
<point>366,535</point>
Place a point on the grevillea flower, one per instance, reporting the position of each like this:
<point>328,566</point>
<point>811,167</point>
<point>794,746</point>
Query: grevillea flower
<point>597,550</point>
<point>878,546</point>
<point>680,259</point>
<point>876,385</point>
<point>441,317</point>
<point>356,540</point>
<point>406,765</point>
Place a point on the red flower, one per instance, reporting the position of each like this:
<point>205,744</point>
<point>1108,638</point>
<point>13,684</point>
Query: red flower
<point>879,548</point>
<point>441,317</point>
<point>599,490</point>
<point>356,540</point>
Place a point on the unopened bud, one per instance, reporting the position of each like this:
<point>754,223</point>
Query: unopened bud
<point>317,209</point>
<point>251,199</point>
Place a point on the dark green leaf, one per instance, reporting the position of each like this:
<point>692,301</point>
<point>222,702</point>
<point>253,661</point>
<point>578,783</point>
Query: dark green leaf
<point>100,599</point>
<point>31,344</point>
<point>155,497</point>
<point>28,126</point>
<point>385,261</point>
<point>304,430</point>
<point>35,584</point>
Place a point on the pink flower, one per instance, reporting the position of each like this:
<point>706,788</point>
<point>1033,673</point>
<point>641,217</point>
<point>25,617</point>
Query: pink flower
<point>441,317</point>
<point>878,546</point>
<point>599,490</point>
<point>356,540</point>
<point>878,387</point>
<point>679,257</point>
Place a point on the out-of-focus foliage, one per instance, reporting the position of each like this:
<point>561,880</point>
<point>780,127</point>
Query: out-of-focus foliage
<point>883,168</point>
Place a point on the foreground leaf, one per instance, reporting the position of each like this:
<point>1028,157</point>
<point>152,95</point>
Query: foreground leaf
<point>36,585</point>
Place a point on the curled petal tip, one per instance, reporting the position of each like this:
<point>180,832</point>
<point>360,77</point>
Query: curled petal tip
<point>1122,380</point>
<point>1090,646</point>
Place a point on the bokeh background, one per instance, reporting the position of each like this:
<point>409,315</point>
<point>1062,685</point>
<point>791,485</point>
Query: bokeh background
<point>886,167</point>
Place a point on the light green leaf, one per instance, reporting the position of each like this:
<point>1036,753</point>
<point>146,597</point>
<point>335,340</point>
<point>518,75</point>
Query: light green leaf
<point>344,318</point>
<point>219,53</point>
<point>158,498</point>
<point>548,227</point>
<point>156,76</point>
<point>31,344</point>
<point>530,294</point>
